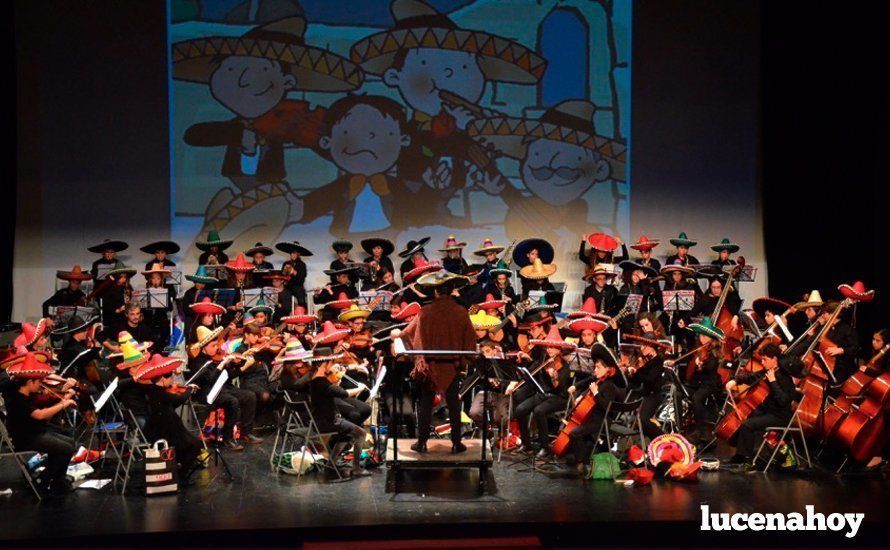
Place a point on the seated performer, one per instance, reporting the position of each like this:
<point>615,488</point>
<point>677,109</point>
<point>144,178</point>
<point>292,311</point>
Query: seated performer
<point>213,249</point>
<point>324,391</point>
<point>454,260</point>
<point>30,427</point>
<point>682,256</point>
<point>293,370</point>
<point>707,303</point>
<point>164,397</point>
<point>352,409</point>
<point>637,279</point>
<point>116,295</point>
<point>606,387</point>
<point>499,285</point>
<point>258,255</point>
<point>239,405</point>
<point>536,277</point>
<point>779,373</point>
<point>498,402</point>
<point>333,294</point>
<point>357,349</point>
<point>600,288</point>
<point>846,342</point>
<point>413,253</point>
<point>295,267</point>
<point>555,381</point>
<point>200,281</point>
<point>342,263</point>
<point>649,322</point>
<point>724,248</point>
<point>443,325</point>
<point>679,278</point>
<point>284,300</point>
<point>705,375</point>
<point>647,371</point>
<point>134,324</point>
<point>602,250</point>
<point>161,252</point>
<point>524,254</point>
<point>644,246</point>
<point>490,252</point>
<point>70,295</point>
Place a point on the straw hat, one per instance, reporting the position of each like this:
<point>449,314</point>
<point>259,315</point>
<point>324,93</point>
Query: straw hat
<point>451,243</point>
<point>483,321</point>
<point>124,337</point>
<point>157,267</point>
<point>441,277</point>
<point>677,266</point>
<point>537,270</point>
<point>76,274</point>
<point>813,299</point>
<point>600,269</point>
<point>488,246</point>
<point>121,270</point>
<point>205,336</point>
<point>132,356</point>
<point>354,312</point>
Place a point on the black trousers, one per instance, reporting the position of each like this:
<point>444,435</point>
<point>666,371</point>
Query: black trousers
<point>353,410</point>
<point>239,406</point>
<point>647,411</point>
<point>539,406</point>
<point>425,410</point>
<point>347,431</point>
<point>699,409</point>
<point>751,431</point>
<point>58,447</point>
<point>582,437</point>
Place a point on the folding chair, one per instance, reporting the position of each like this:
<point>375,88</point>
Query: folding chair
<point>7,449</point>
<point>611,423</point>
<point>314,441</point>
<point>134,447</point>
<point>293,431</point>
<point>784,431</point>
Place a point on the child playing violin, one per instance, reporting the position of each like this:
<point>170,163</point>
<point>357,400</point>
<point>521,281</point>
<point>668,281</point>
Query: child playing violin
<point>324,389</point>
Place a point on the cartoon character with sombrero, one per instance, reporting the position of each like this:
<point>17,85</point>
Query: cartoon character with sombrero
<point>425,56</point>
<point>561,157</point>
<point>251,76</point>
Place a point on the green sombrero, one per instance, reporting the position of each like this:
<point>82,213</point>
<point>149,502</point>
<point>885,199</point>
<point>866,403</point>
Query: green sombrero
<point>201,276</point>
<point>707,327</point>
<point>683,240</point>
<point>726,244</point>
<point>213,239</point>
<point>314,68</point>
<point>418,25</point>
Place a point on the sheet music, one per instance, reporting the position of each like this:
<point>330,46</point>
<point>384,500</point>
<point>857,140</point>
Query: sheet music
<point>381,374</point>
<point>106,395</point>
<point>368,296</point>
<point>633,303</point>
<point>217,386</point>
<point>678,300</point>
<point>398,346</point>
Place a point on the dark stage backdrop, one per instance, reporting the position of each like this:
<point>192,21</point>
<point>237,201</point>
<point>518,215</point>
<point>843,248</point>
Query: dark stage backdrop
<point>102,150</point>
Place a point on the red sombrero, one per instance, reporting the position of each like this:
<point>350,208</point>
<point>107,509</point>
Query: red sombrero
<point>240,264</point>
<point>30,367</point>
<point>20,354</point>
<point>553,340</point>
<point>156,367</point>
<point>856,292</point>
<point>30,333</point>
<point>645,341</point>
<point>207,306</point>
<point>342,302</point>
<point>589,322</point>
<point>420,267</point>
<point>76,274</point>
<point>329,334</point>
<point>407,312</point>
<point>298,317</point>
<point>488,304</point>
<point>645,243</point>
<point>587,309</point>
<point>601,241</point>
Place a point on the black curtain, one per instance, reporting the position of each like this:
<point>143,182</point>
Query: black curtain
<point>825,125</point>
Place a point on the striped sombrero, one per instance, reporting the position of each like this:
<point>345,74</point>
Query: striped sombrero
<point>571,121</point>
<point>418,25</point>
<point>315,69</point>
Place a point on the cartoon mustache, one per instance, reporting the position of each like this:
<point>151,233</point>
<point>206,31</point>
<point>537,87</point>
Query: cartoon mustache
<point>544,173</point>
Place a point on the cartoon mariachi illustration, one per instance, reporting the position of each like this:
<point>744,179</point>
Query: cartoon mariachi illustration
<point>251,76</point>
<point>440,71</point>
<point>561,158</point>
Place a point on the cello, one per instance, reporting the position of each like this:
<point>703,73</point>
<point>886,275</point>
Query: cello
<point>752,396</point>
<point>580,414</point>
<point>722,318</point>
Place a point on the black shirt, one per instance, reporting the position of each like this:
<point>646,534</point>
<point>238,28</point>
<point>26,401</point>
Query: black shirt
<point>63,297</point>
<point>221,258</point>
<point>324,409</point>
<point>21,425</point>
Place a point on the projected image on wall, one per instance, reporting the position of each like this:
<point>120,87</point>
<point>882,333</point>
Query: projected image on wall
<point>315,121</point>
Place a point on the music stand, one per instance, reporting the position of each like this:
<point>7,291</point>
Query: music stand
<point>678,300</point>
<point>218,272</point>
<point>223,296</point>
<point>384,298</point>
<point>633,303</point>
<point>89,352</point>
<point>251,296</point>
<point>217,439</point>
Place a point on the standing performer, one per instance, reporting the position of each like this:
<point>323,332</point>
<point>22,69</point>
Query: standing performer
<point>536,276</point>
<point>200,281</point>
<point>442,325</point>
<point>70,295</point>
<point>644,246</point>
<point>258,255</point>
<point>296,268</point>
<point>108,249</point>
<point>342,262</point>
<point>156,317</point>
<point>161,250</point>
<point>724,248</point>
<point>490,252</point>
<point>413,254</point>
<point>213,249</point>
<point>116,297</point>
<point>683,244</point>
<point>600,288</point>
<point>454,260</point>
<point>378,251</point>
<point>602,250</point>
<point>525,253</point>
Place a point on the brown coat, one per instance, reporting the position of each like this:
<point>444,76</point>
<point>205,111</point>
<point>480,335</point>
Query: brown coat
<point>441,324</point>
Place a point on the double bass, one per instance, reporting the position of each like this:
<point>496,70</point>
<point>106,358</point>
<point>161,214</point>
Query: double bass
<point>722,318</point>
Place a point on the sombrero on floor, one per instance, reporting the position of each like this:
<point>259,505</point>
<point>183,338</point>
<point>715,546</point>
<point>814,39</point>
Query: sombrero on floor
<point>386,244</point>
<point>418,25</point>
<point>293,246</point>
<point>571,121</point>
<point>213,239</point>
<point>315,69</point>
<point>167,246</point>
<point>107,244</point>
<point>522,248</point>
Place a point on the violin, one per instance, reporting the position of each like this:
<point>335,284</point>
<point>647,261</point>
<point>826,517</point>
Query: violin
<point>335,374</point>
<point>176,389</point>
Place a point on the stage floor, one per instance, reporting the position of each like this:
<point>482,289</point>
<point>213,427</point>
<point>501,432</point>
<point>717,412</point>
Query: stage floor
<point>429,500</point>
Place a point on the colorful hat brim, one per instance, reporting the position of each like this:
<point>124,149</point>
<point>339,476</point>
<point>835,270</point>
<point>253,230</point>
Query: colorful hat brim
<point>73,276</point>
<point>153,371</point>
<point>544,343</point>
<point>580,324</point>
<point>351,314</point>
<point>341,304</point>
<point>698,328</point>
<point>298,319</point>
<point>510,135</point>
<point>331,337</point>
<point>323,358</point>
<point>208,309</point>
<point>315,69</point>
<point>648,245</point>
<point>848,291</point>
<point>202,279</point>
<point>121,271</point>
<point>418,271</point>
<point>200,344</point>
<point>732,248</point>
<point>39,331</point>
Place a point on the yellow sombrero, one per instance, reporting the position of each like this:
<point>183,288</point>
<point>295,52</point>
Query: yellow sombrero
<point>418,25</point>
<point>315,69</point>
<point>483,321</point>
<point>355,311</point>
<point>571,121</point>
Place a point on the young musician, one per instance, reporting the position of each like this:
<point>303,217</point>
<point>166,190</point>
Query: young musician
<point>156,276</point>
<point>536,276</point>
<point>378,251</point>
<point>284,299</point>
<point>200,281</point>
<point>161,252</point>
<point>351,408</point>
<point>239,278</point>
<point>324,390</point>
<point>647,322</point>
<point>637,280</point>
<point>555,382</point>
<point>879,340</point>
<point>489,251</point>
<point>602,250</point>
<point>30,427</point>
<point>648,373</point>
<point>413,254</point>
<point>724,249</point>
<point>845,340</point>
<point>706,377</point>
<point>499,285</point>
<point>678,278</point>
<point>708,302</point>
<point>682,256</point>
<point>342,263</point>
<point>258,255</point>
<point>606,388</point>
<point>644,246</point>
<point>442,324</point>
<point>599,288</point>
<point>70,295</point>
<point>213,249</point>
<point>454,260</point>
<point>498,402</point>
<point>357,348</point>
<point>115,297</point>
<point>294,370</point>
<point>776,409</point>
<point>108,250</point>
<point>296,268</point>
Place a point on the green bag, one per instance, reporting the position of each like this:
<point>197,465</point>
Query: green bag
<point>604,466</point>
